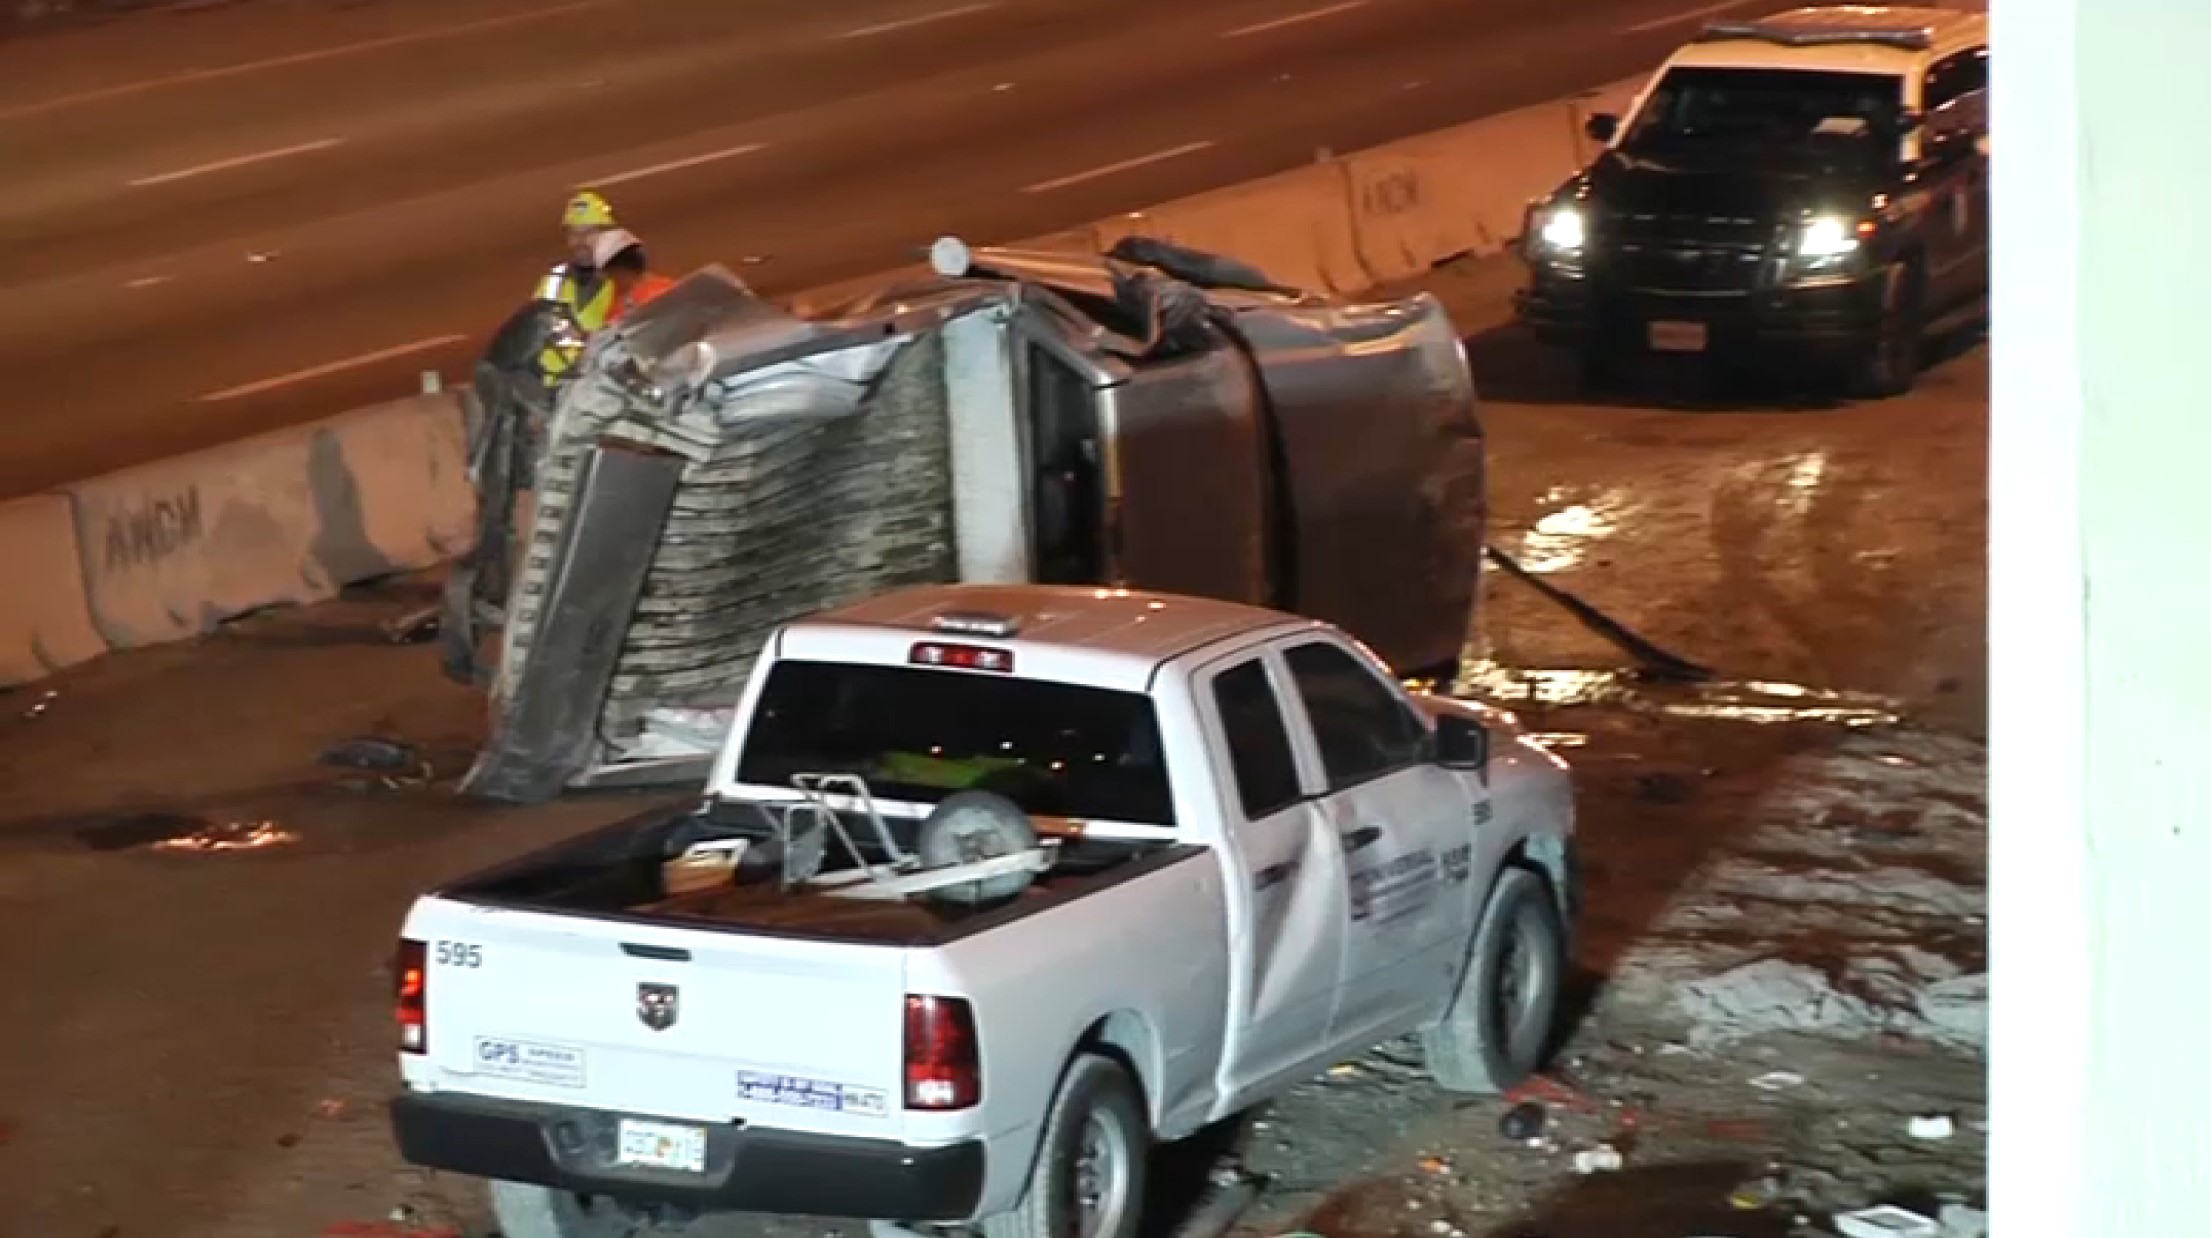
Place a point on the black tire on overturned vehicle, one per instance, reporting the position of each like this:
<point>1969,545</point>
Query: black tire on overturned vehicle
<point>1499,1026</point>
<point>1089,1174</point>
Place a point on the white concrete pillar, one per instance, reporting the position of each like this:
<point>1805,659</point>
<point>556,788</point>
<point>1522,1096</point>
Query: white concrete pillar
<point>2101,627</point>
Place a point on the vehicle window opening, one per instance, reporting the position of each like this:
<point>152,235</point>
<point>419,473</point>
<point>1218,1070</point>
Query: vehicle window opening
<point>917,735</point>
<point>1362,727</point>
<point>1768,110</point>
<point>1066,500</point>
<point>1258,740</point>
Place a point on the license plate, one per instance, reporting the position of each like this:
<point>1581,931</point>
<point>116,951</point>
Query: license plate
<point>1678,336</point>
<point>661,1145</point>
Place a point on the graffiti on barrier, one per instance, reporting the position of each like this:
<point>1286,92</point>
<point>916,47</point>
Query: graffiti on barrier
<point>145,535</point>
<point>1393,193</point>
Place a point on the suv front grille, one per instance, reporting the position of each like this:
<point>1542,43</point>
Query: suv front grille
<point>1684,253</point>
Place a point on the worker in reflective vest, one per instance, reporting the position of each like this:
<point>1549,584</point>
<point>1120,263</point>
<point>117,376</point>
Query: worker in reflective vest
<point>577,286</point>
<point>620,258</point>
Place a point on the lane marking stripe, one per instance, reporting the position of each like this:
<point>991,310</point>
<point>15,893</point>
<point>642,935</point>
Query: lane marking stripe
<point>908,23</point>
<point>1660,23</point>
<point>673,165</point>
<point>1187,148</point>
<point>334,367</point>
<point>296,58</point>
<point>1294,19</point>
<point>236,161</point>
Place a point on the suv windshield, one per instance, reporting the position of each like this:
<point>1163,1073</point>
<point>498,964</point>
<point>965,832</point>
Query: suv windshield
<point>918,735</point>
<point>1769,111</point>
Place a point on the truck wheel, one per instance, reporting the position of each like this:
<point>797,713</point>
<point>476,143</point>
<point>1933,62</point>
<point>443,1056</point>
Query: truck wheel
<point>976,825</point>
<point>524,1210</point>
<point>1890,365</point>
<point>1089,1177</point>
<point>1498,1027</point>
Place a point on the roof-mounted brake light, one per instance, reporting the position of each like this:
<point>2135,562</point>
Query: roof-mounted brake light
<point>975,623</point>
<point>962,657</point>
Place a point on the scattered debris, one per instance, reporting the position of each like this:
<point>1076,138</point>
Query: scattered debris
<point>1777,1081</point>
<point>1886,1221</point>
<point>1937,1126</point>
<point>415,627</point>
<point>230,836</point>
<point>371,752</point>
<point>1523,1122</point>
<point>331,1108</point>
<point>1755,1196</point>
<point>1604,1158</point>
<point>39,707</point>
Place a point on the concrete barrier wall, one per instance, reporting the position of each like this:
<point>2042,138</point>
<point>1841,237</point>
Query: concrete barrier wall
<point>168,550</point>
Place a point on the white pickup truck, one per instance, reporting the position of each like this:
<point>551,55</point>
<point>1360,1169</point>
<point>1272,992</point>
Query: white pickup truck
<point>992,887</point>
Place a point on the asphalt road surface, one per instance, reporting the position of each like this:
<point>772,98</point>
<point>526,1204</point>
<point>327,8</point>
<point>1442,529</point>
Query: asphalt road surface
<point>223,221</point>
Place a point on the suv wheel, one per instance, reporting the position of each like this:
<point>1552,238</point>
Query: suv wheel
<point>1890,363</point>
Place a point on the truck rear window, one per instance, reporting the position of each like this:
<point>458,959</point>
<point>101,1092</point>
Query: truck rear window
<point>918,735</point>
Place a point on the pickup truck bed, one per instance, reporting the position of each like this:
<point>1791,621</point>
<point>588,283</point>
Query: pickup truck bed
<point>616,873</point>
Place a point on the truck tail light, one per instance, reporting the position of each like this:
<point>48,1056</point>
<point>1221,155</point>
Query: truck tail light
<point>411,995</point>
<point>944,1069</point>
<point>962,657</point>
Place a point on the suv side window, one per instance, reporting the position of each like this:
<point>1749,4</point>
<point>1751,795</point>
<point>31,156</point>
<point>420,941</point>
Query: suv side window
<point>1956,96</point>
<point>1258,740</point>
<point>1363,727</point>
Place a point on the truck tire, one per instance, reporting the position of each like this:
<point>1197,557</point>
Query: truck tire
<point>1890,364</point>
<point>1088,1180</point>
<point>976,825</point>
<point>525,1210</point>
<point>1498,1027</point>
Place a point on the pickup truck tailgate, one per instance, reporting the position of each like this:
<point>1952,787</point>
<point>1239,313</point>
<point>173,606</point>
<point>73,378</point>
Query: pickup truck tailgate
<point>663,1021</point>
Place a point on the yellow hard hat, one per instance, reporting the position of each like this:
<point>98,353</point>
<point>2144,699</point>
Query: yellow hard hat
<point>587,210</point>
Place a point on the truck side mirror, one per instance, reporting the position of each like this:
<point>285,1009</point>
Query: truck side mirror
<point>1462,743</point>
<point>1601,127</point>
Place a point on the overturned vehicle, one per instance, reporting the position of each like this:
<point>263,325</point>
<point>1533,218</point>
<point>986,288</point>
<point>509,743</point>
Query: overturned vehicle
<point>1155,418</point>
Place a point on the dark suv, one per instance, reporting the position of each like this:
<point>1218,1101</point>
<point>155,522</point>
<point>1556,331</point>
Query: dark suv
<point>1812,185</point>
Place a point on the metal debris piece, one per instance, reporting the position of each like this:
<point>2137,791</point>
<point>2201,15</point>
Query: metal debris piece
<point>44,702</point>
<point>415,627</point>
<point>1886,1221</point>
<point>1936,1126</point>
<point>371,752</point>
<point>1604,1158</point>
<point>1777,1080</point>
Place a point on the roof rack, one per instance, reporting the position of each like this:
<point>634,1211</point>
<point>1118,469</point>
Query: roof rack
<point>1909,38</point>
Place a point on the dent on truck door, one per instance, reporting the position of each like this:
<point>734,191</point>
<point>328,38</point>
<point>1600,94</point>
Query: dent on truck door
<point>1286,894</point>
<point>1400,822</point>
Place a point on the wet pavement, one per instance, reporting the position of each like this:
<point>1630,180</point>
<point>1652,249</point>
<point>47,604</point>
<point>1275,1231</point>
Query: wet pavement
<point>205,850</point>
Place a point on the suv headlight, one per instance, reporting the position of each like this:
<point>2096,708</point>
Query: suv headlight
<point>1829,236</point>
<point>1561,230</point>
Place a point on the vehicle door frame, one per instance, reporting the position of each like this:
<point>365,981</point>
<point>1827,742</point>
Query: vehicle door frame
<point>1257,1060</point>
<point>1399,965</point>
<point>1953,172</point>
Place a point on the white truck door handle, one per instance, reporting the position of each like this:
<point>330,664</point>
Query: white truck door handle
<point>1361,838</point>
<point>1273,875</point>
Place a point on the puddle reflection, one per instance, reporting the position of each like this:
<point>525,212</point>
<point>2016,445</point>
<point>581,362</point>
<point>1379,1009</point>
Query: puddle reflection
<point>1561,540</point>
<point>1753,701</point>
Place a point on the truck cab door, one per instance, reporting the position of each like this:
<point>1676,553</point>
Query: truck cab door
<point>1285,884</point>
<point>1399,821</point>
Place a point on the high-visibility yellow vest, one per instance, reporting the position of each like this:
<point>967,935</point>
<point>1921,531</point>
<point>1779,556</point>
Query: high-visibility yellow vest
<point>591,305</point>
